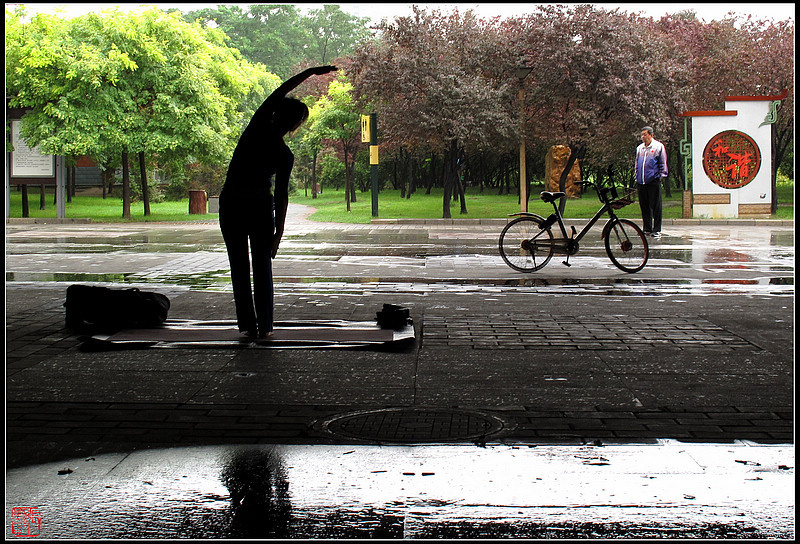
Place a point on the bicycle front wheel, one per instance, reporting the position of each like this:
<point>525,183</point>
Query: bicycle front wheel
<point>626,245</point>
<point>525,246</point>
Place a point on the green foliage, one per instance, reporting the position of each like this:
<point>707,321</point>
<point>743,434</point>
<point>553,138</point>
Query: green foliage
<point>142,81</point>
<point>182,90</point>
<point>155,191</point>
<point>281,38</point>
<point>391,206</point>
<point>331,172</point>
<point>333,33</point>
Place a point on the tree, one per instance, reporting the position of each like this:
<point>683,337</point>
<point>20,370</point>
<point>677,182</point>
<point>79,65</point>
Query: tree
<point>436,84</point>
<point>270,34</point>
<point>281,38</point>
<point>310,145</point>
<point>601,80</point>
<point>110,83</point>
<point>334,117</point>
<point>332,33</point>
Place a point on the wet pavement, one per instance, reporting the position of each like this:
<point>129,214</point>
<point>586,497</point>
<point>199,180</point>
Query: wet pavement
<point>576,401</point>
<point>667,490</point>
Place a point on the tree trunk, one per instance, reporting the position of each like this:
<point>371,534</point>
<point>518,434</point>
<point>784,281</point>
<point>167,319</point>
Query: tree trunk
<point>450,178</point>
<point>431,174</point>
<point>459,173</point>
<point>778,151</point>
<point>107,176</point>
<point>412,182</point>
<point>314,175</point>
<point>126,187</point>
<point>462,194</point>
<point>42,203</point>
<point>73,185</point>
<point>346,182</point>
<point>399,181</point>
<point>352,180</point>
<point>145,188</point>
<point>25,206</point>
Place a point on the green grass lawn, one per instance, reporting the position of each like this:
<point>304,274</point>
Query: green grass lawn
<point>105,210</point>
<point>331,207</point>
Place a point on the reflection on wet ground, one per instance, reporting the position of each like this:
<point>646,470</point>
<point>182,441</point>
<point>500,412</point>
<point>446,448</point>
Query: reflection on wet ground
<point>668,491</point>
<point>723,259</point>
<point>219,281</point>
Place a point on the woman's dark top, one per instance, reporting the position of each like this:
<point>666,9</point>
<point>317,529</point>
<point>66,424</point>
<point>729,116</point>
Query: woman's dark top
<point>261,164</point>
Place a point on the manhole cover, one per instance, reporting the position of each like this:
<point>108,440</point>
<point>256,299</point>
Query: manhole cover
<point>410,425</point>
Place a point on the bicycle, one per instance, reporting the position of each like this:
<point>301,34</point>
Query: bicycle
<point>527,243</point>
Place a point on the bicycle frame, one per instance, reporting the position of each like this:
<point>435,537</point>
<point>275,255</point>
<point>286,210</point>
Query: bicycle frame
<point>556,218</point>
<point>628,252</point>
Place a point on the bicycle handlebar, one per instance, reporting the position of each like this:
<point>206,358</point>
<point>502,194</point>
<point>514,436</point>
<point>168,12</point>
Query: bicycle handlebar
<point>605,194</point>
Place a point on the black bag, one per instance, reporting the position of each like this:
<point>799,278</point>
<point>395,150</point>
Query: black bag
<point>114,308</point>
<point>394,317</point>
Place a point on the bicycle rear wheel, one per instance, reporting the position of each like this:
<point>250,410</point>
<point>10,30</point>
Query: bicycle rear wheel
<point>525,246</point>
<point>626,245</point>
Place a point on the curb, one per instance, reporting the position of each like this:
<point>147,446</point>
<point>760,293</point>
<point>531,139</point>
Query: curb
<point>567,220</point>
<point>47,220</point>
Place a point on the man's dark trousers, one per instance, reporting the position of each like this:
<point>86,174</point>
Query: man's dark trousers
<point>650,203</point>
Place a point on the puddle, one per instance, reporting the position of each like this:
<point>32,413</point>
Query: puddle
<point>219,281</point>
<point>351,259</point>
<point>463,491</point>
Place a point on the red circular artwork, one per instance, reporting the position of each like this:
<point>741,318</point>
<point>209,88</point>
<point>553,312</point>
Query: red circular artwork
<point>731,159</point>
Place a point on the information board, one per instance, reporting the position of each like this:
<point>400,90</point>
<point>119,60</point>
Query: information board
<point>29,162</point>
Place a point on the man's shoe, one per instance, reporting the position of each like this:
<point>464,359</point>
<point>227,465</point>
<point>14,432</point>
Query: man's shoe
<point>656,235</point>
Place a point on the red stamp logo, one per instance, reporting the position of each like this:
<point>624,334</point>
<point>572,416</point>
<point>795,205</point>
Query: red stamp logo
<point>731,159</point>
<point>25,521</point>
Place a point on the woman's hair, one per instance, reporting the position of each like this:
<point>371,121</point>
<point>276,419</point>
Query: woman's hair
<point>290,114</point>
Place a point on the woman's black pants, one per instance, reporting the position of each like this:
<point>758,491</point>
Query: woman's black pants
<point>254,308</point>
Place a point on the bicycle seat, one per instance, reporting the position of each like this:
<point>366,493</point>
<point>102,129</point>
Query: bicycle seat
<point>549,197</point>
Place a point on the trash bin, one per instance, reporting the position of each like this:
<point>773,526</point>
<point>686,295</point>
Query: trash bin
<point>197,202</point>
<point>213,204</point>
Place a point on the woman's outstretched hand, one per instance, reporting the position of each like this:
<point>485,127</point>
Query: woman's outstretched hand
<point>320,70</point>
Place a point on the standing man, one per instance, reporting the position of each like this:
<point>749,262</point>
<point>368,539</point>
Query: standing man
<point>651,171</point>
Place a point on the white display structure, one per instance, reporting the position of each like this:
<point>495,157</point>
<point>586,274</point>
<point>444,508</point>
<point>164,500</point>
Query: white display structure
<point>732,157</point>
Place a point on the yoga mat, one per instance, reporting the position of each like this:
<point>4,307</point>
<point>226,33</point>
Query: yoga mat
<point>225,334</point>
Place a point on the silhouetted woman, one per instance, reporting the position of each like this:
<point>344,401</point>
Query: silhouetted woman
<point>253,202</point>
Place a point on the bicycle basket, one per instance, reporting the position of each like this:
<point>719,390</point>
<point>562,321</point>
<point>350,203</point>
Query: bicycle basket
<point>629,197</point>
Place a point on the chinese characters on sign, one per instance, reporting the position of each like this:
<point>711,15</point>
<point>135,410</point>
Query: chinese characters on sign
<point>731,159</point>
<point>26,161</point>
<point>25,521</point>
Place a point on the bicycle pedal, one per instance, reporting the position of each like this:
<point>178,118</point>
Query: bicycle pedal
<point>565,263</point>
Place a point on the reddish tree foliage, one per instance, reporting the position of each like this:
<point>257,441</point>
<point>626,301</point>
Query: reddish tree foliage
<point>445,83</point>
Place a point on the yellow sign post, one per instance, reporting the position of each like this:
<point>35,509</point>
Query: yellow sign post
<point>373,154</point>
<point>365,129</point>
<point>369,133</point>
